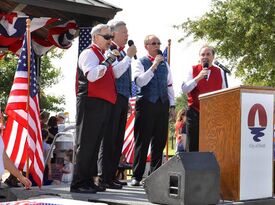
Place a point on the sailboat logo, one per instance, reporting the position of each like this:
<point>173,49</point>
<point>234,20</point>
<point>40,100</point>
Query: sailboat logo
<point>257,121</point>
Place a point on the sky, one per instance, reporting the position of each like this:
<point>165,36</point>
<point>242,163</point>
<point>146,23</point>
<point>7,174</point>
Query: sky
<point>145,17</point>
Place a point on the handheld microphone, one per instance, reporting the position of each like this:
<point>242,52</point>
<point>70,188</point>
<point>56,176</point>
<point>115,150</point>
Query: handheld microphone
<point>222,67</point>
<point>205,65</point>
<point>159,52</point>
<point>113,47</point>
<point>130,43</point>
<point>111,56</point>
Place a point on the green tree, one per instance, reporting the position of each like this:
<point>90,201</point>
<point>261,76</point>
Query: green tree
<point>7,69</point>
<point>243,33</point>
<point>181,102</point>
<point>49,76</point>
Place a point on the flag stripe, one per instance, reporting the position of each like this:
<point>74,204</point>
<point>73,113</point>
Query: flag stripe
<point>18,138</point>
<point>129,142</point>
<point>21,156</point>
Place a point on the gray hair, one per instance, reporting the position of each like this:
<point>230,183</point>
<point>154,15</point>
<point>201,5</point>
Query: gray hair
<point>97,29</point>
<point>208,46</point>
<point>147,38</point>
<point>114,25</point>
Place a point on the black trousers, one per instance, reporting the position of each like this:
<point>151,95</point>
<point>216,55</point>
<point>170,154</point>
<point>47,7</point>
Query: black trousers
<point>192,129</point>
<point>112,143</point>
<point>151,126</point>
<point>92,119</point>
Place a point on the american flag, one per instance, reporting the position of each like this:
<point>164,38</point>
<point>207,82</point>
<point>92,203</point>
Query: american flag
<point>83,42</point>
<point>129,141</point>
<point>84,39</point>
<point>22,135</point>
<point>165,54</point>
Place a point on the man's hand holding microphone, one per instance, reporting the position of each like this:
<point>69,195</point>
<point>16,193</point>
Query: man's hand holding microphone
<point>204,72</point>
<point>111,57</point>
<point>132,50</point>
<point>158,59</point>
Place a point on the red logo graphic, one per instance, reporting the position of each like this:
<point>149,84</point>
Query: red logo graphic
<point>257,125</point>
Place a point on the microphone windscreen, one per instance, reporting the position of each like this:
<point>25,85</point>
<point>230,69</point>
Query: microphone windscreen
<point>159,52</point>
<point>206,65</point>
<point>113,47</point>
<point>130,42</point>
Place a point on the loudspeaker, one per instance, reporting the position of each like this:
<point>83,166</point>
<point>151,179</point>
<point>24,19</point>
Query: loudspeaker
<point>187,178</point>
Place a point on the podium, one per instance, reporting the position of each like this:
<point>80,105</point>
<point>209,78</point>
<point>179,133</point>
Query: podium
<point>237,125</point>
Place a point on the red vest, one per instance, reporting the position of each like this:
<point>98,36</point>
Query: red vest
<point>213,83</point>
<point>104,87</point>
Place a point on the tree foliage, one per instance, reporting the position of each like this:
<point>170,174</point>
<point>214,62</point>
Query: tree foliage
<point>243,33</point>
<point>181,102</point>
<point>7,69</point>
<point>48,77</point>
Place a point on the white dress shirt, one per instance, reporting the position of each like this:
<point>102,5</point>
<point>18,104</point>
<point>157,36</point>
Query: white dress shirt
<point>142,78</point>
<point>88,62</point>
<point>120,67</point>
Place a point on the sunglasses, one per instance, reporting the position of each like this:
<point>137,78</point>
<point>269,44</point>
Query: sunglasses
<point>106,36</point>
<point>154,43</point>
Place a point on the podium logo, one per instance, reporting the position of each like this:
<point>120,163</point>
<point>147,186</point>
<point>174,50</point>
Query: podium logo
<point>257,121</point>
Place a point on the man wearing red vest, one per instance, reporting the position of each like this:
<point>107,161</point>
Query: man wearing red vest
<point>96,94</point>
<point>202,78</point>
<point>111,147</point>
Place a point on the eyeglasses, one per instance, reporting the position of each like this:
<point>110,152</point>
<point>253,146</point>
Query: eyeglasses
<point>106,36</point>
<point>154,43</point>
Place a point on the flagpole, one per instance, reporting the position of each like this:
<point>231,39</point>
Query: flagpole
<point>169,51</point>
<point>28,24</point>
<point>168,61</point>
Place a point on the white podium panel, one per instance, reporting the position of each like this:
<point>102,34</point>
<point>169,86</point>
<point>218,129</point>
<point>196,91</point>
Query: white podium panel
<point>256,163</point>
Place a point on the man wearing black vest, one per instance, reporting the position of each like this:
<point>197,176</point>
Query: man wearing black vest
<point>96,95</point>
<point>153,76</point>
<point>202,78</point>
<point>112,143</point>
